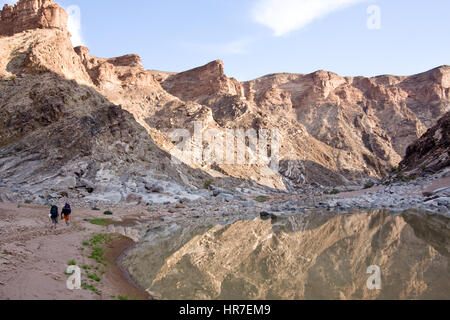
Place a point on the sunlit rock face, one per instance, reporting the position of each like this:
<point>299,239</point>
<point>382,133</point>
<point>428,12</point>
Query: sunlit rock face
<point>312,257</point>
<point>334,130</point>
<point>32,14</point>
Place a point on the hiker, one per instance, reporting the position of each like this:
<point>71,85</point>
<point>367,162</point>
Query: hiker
<point>54,216</point>
<point>65,213</point>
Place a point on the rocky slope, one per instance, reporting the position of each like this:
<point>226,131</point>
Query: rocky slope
<point>351,127</point>
<point>64,109</point>
<point>60,136</point>
<point>431,153</point>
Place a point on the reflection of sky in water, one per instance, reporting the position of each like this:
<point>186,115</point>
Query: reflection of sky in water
<point>320,256</point>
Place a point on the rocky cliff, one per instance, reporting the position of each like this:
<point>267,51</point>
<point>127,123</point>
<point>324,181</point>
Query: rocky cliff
<point>59,135</point>
<point>32,14</point>
<point>431,152</point>
<point>352,126</point>
<point>334,130</point>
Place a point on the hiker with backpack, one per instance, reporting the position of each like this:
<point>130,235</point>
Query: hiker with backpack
<point>54,216</point>
<point>65,213</point>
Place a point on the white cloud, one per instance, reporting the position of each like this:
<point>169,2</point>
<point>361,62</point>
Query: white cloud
<point>285,16</point>
<point>74,25</point>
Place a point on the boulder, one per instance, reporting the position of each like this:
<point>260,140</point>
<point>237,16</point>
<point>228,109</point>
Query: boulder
<point>133,199</point>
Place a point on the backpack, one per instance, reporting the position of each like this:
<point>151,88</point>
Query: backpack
<point>66,211</point>
<point>54,211</point>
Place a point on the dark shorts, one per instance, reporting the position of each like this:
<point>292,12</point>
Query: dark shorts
<point>55,220</point>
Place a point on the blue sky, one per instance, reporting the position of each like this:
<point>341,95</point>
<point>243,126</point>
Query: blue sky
<point>257,37</point>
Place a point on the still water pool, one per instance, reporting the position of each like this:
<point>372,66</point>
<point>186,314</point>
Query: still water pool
<point>369,255</point>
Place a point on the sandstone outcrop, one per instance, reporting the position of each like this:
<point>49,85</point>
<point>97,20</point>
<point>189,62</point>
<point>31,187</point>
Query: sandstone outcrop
<point>32,14</point>
<point>202,83</point>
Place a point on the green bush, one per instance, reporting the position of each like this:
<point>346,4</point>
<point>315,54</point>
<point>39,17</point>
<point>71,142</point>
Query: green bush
<point>100,239</point>
<point>208,183</point>
<point>90,287</point>
<point>72,263</point>
<point>97,255</point>
<point>94,277</point>
<point>369,184</point>
<point>101,222</point>
<point>262,199</point>
<point>108,213</point>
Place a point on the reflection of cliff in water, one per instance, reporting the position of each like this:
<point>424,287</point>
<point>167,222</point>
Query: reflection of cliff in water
<point>320,256</point>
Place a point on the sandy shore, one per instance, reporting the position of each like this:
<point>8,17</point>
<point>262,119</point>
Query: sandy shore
<point>33,258</point>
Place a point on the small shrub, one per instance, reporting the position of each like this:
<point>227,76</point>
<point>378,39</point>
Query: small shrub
<point>90,287</point>
<point>100,239</point>
<point>28,201</point>
<point>123,298</point>
<point>95,209</point>
<point>262,199</point>
<point>108,213</point>
<point>101,222</point>
<point>400,177</point>
<point>423,167</point>
<point>94,277</point>
<point>86,267</point>
<point>208,183</point>
<point>369,185</point>
<point>335,191</point>
<point>72,263</point>
<point>97,255</point>
<point>12,77</point>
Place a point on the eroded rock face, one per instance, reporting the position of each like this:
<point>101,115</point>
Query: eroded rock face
<point>107,74</point>
<point>334,130</point>
<point>349,126</point>
<point>32,14</point>
<point>203,83</point>
<point>431,152</point>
